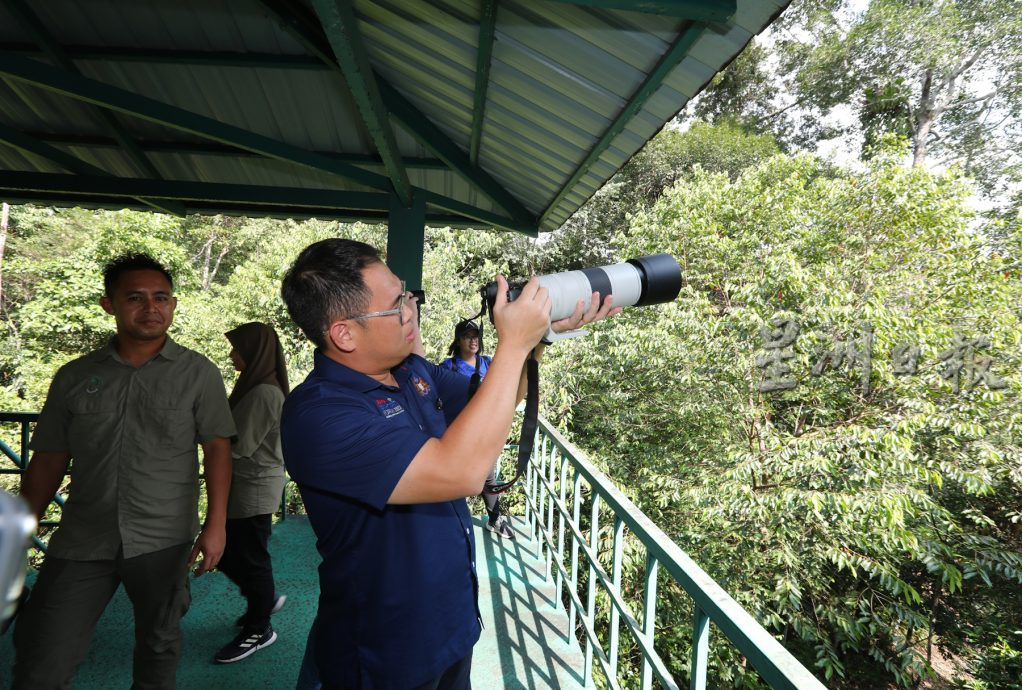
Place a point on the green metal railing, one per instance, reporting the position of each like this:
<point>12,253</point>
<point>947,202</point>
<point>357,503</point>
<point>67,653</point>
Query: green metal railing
<point>20,458</point>
<point>555,516</point>
<point>20,461</point>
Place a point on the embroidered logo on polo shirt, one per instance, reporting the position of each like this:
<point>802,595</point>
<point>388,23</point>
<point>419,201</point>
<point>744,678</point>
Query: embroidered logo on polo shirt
<point>420,385</point>
<point>389,407</point>
<point>93,385</point>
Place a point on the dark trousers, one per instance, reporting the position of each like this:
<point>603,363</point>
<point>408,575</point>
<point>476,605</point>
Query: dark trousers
<point>53,631</point>
<point>246,561</point>
<point>457,677</point>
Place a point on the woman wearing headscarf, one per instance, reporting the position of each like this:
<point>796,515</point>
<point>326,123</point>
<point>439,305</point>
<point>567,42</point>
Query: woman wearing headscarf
<point>257,482</point>
<point>466,357</point>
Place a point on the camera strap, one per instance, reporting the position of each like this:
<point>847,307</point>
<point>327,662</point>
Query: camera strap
<point>531,420</point>
<point>529,424</point>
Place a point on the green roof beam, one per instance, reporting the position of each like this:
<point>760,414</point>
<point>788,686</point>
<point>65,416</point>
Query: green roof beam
<point>226,208</point>
<point>297,22</point>
<point>179,190</point>
<point>19,184</point>
<point>27,144</point>
<point>207,148</point>
<point>341,27</point>
<point>91,91</point>
<point>303,27</point>
<point>483,217</point>
<point>31,23</point>
<point>484,55</point>
<point>693,10</point>
<point>671,59</point>
<point>155,56</point>
<point>430,136</point>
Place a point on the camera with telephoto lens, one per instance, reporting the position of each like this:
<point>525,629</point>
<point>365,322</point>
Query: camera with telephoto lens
<point>637,282</point>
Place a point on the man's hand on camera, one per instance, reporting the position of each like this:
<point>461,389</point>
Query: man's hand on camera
<point>582,316</point>
<point>523,322</point>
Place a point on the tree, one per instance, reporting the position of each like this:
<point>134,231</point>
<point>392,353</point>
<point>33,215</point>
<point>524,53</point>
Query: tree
<point>860,525</point>
<point>947,74</point>
<point>3,243</point>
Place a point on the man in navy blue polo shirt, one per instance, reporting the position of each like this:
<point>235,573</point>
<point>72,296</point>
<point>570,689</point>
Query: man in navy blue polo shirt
<point>384,447</point>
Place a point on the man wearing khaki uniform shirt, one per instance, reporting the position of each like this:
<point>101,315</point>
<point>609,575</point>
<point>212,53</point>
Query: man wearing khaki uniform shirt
<point>127,419</point>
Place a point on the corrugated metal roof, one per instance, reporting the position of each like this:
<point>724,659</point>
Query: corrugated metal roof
<point>573,91</point>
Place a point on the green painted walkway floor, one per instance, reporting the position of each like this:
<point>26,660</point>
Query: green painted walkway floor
<point>524,642</point>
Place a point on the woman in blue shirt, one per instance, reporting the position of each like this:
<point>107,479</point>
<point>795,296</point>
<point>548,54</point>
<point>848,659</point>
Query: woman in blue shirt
<point>465,353</point>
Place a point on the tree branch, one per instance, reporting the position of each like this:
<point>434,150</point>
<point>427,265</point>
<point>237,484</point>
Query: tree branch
<point>961,69</point>
<point>968,101</point>
<point>770,116</point>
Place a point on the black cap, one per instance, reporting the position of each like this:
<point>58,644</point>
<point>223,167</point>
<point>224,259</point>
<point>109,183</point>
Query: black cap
<point>464,327</point>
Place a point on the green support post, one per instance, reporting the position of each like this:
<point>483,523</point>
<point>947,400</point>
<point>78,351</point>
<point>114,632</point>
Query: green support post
<point>700,649</point>
<point>406,238</point>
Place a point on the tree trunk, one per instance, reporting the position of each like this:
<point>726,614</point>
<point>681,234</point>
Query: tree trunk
<point>924,122</point>
<point>207,251</point>
<point>934,606</point>
<point>3,242</point>
<point>216,266</point>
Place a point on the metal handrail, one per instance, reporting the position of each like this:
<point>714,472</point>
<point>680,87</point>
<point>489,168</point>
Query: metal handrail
<point>546,494</point>
<point>20,461</point>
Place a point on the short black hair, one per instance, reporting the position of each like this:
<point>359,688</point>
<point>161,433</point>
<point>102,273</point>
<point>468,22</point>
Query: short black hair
<point>325,283</point>
<point>114,269</point>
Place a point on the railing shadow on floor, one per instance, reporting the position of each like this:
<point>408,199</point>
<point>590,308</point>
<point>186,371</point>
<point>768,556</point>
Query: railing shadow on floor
<point>535,649</point>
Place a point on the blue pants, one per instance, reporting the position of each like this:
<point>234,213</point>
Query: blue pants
<point>457,677</point>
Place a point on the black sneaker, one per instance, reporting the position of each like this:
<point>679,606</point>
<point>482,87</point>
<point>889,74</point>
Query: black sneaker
<point>245,644</point>
<point>501,527</point>
<point>278,604</point>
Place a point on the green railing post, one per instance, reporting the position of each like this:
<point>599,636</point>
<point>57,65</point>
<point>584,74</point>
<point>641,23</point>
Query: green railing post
<point>550,496</point>
<point>700,649</point>
<point>21,460</point>
<point>542,497</point>
<point>649,617</point>
<point>594,546</point>
<point>24,444</point>
<point>562,495</point>
<point>576,510</point>
<point>530,472</point>
<point>615,615</point>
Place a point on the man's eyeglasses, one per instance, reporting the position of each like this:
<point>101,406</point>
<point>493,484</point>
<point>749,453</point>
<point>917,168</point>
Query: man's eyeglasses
<point>399,309</point>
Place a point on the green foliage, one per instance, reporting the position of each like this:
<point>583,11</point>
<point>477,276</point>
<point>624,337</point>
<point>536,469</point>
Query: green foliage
<point>1001,667</point>
<point>744,87</point>
<point>849,524</point>
<point>865,529</point>
<point>943,73</point>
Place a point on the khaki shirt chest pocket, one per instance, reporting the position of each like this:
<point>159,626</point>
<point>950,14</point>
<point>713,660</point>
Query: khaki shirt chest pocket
<point>93,420</point>
<point>169,420</point>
